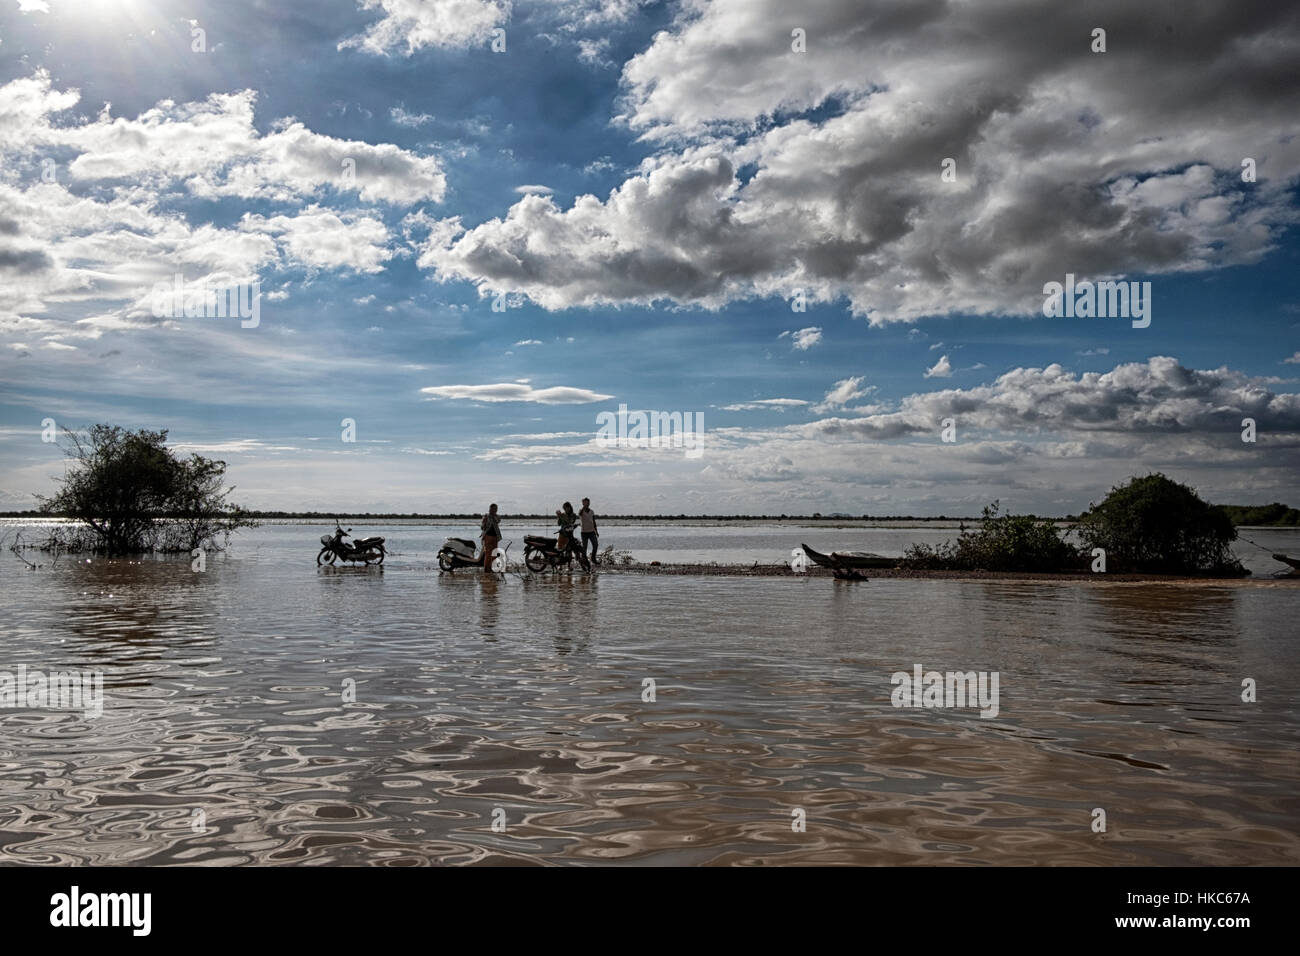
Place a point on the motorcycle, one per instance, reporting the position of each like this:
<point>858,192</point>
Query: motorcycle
<point>365,550</point>
<point>541,553</point>
<point>460,553</point>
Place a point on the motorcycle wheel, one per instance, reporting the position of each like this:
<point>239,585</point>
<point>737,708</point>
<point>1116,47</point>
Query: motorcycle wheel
<point>379,560</point>
<point>535,560</point>
<point>446,561</point>
<point>326,555</point>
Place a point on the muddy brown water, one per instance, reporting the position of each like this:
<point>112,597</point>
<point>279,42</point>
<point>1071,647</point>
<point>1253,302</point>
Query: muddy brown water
<point>264,712</point>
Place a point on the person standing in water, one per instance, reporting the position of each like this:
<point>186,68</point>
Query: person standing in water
<point>568,538</point>
<point>589,532</point>
<point>491,535</point>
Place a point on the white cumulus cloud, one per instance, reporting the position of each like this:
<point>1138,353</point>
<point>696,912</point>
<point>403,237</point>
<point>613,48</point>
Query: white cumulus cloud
<point>411,25</point>
<point>940,369</point>
<point>515,392</point>
<point>843,392</point>
<point>1065,160</point>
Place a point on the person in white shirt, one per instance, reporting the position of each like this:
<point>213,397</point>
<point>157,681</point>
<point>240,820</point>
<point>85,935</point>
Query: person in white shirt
<point>589,532</point>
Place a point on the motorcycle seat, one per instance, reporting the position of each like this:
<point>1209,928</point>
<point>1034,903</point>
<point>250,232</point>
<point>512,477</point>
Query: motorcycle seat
<point>539,541</point>
<point>466,542</point>
<point>367,541</point>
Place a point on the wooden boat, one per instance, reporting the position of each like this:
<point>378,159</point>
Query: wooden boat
<point>1285,559</point>
<point>848,560</point>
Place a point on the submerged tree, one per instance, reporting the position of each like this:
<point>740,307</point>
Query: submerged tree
<point>1156,524</point>
<point>136,495</point>
<point>200,509</point>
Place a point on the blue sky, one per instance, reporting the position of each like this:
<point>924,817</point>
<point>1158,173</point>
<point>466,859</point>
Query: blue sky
<point>646,186</point>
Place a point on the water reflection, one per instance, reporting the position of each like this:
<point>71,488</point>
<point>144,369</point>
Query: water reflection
<point>129,612</point>
<point>489,605</point>
<point>1198,613</point>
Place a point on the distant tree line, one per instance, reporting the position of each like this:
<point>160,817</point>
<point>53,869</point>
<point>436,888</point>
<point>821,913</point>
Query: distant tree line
<point>1276,514</point>
<point>519,516</point>
<point>467,515</point>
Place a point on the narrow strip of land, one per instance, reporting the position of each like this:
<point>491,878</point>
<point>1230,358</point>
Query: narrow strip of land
<point>1064,577</point>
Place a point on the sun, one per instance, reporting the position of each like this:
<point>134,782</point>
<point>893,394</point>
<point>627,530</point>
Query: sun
<point>140,13</point>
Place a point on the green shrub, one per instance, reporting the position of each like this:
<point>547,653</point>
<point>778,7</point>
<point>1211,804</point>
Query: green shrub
<point>1004,542</point>
<point>1155,524</point>
<point>926,557</point>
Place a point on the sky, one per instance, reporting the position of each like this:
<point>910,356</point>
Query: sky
<point>823,232</point>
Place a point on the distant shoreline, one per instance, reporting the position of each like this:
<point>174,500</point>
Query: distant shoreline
<point>466,516</point>
<point>371,517</point>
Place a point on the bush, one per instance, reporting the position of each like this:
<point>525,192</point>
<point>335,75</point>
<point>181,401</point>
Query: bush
<point>926,557</point>
<point>136,496</point>
<point>1004,542</point>
<point>1155,524</point>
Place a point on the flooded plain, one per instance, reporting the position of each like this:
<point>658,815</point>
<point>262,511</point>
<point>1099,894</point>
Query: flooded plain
<point>265,711</point>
